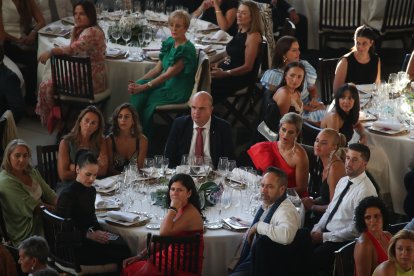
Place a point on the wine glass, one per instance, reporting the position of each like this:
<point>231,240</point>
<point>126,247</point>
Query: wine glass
<point>109,34</point>
<point>147,36</point>
<point>126,35</point>
<point>149,166</point>
<point>116,33</point>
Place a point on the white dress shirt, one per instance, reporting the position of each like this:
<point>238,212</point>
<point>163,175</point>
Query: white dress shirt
<point>206,139</point>
<point>342,226</point>
<point>284,224</point>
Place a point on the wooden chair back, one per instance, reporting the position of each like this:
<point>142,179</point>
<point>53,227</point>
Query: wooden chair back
<point>187,259</point>
<point>327,69</point>
<point>47,163</point>
<point>344,260</point>
<point>72,76</point>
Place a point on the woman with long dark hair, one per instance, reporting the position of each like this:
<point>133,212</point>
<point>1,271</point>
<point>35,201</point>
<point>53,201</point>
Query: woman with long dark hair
<point>87,39</point>
<point>345,116</point>
<point>183,218</point>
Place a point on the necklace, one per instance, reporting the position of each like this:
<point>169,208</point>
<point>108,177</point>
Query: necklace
<point>292,150</point>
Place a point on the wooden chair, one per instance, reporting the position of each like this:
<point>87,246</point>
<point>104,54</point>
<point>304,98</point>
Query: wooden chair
<point>405,62</point>
<point>326,77</point>
<point>188,261</point>
<point>266,16</point>
<point>338,20</point>
<point>73,86</point>
<point>398,23</point>
<point>394,228</point>
<point>64,240</point>
<point>237,103</point>
<point>313,183</point>
<point>344,264</point>
<point>47,163</point>
<point>3,229</point>
<point>202,83</point>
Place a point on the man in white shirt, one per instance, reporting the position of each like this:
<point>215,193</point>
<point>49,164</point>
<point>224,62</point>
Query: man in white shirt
<point>213,134</point>
<point>277,218</point>
<point>337,226</point>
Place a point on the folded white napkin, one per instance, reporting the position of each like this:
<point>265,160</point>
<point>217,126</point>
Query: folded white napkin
<point>153,54</point>
<point>154,16</point>
<point>99,201</point>
<point>114,52</point>
<point>205,48</point>
<point>123,216</point>
<point>105,183</point>
<point>182,169</point>
<point>219,35</point>
<point>239,174</point>
<point>205,25</point>
<point>392,125</point>
<point>61,41</point>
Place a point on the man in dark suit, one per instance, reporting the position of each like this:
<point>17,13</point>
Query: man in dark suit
<point>184,135</point>
<point>10,94</point>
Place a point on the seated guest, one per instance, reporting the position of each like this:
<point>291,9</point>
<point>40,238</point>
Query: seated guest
<point>22,192</point>
<point>77,201</point>
<point>287,95</point>
<point>337,226</point>
<point>362,65</point>
<point>410,67</point>
<point>20,21</point>
<point>371,248</point>
<point>216,138</point>
<point>345,116</point>
<point>236,71</point>
<point>276,219</point>
<point>400,254</point>
<point>86,134</point>
<point>33,253</point>
<point>183,218</point>
<point>125,144</point>
<point>409,200</point>
<point>287,51</point>
<point>330,168</point>
<point>172,79</point>
<point>219,12</point>
<point>281,10</point>
<point>285,154</point>
<point>87,39</point>
<point>10,93</point>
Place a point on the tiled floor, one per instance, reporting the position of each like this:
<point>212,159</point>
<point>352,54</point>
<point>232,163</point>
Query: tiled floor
<point>31,131</point>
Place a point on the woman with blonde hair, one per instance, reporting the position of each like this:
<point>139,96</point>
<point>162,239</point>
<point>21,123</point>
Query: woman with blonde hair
<point>86,134</point>
<point>237,69</point>
<point>125,144</point>
<point>172,79</point>
<point>22,192</point>
<point>328,148</point>
<point>400,254</point>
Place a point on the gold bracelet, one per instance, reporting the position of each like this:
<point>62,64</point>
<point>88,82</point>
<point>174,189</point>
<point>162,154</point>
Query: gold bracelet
<point>218,11</point>
<point>149,84</point>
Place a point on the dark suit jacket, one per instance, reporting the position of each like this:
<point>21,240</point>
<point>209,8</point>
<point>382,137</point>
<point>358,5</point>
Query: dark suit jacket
<point>10,94</point>
<point>179,140</point>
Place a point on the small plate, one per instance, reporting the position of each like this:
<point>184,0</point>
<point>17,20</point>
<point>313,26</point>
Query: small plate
<point>214,226</point>
<point>153,226</point>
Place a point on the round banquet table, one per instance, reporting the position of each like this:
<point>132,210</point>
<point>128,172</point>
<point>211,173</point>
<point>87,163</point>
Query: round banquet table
<point>120,70</point>
<point>400,153</point>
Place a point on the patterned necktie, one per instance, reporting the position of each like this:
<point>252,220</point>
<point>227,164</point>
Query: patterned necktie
<point>335,208</point>
<point>199,146</point>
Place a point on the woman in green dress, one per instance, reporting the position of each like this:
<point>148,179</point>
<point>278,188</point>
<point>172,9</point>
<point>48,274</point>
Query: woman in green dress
<point>172,79</point>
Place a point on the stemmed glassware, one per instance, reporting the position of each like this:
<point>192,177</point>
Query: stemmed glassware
<point>147,36</point>
<point>126,35</point>
<point>116,33</point>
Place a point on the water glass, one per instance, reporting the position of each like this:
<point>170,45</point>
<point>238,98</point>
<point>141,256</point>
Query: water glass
<point>158,164</point>
<point>231,166</point>
<point>294,197</point>
<point>149,166</point>
<point>223,166</point>
<point>135,52</point>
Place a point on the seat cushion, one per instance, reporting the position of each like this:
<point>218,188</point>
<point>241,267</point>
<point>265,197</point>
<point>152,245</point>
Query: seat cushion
<point>97,98</point>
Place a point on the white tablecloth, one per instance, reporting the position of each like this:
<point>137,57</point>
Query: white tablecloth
<point>120,71</point>
<point>371,14</point>
<point>400,153</point>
